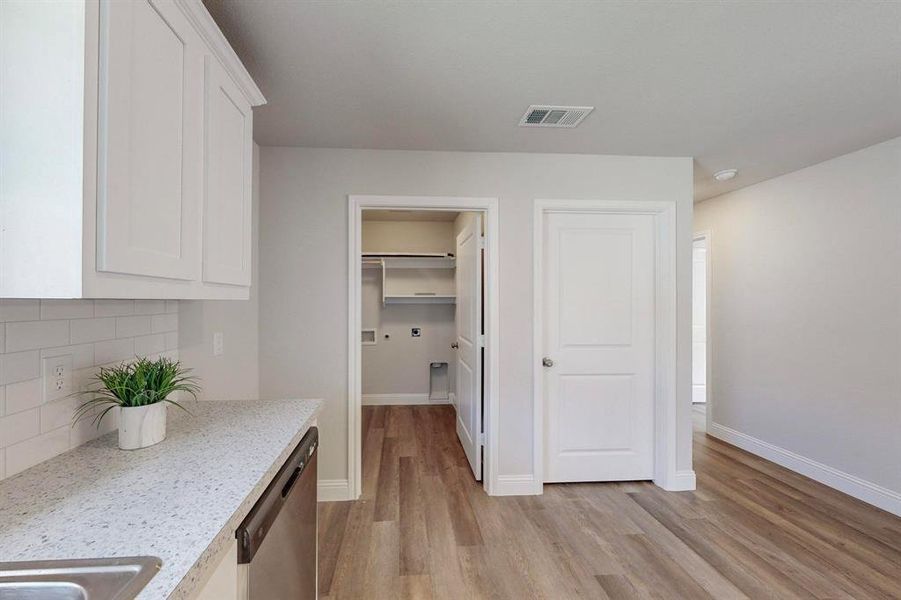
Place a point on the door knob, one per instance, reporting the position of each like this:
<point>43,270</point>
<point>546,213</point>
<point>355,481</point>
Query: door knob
<point>455,345</point>
<point>547,362</point>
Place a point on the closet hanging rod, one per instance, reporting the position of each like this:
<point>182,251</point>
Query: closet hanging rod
<point>366,255</point>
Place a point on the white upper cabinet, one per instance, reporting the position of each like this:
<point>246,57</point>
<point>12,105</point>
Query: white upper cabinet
<point>227,182</point>
<point>150,134</point>
<point>146,192</point>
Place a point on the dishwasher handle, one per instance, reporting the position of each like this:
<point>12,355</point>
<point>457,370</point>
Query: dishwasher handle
<point>253,529</point>
<point>293,479</point>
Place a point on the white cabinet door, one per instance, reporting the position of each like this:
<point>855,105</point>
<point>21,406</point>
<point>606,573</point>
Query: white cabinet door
<point>599,344</point>
<point>150,138</point>
<point>228,185</point>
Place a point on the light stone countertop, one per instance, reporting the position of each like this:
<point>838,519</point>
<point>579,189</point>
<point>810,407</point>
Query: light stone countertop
<point>180,500</point>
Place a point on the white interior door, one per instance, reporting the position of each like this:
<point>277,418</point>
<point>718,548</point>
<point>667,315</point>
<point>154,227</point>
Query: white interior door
<point>468,342</point>
<point>598,344</point>
<point>699,321</point>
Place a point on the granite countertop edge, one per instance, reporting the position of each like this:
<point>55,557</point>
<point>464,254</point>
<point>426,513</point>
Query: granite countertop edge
<point>198,572</point>
<point>180,500</point>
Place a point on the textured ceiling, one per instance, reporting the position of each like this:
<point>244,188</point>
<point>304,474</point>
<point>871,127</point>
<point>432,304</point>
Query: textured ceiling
<point>767,87</point>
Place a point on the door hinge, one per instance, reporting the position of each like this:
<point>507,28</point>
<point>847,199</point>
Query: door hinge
<point>482,439</point>
<point>482,242</point>
<point>482,340</point>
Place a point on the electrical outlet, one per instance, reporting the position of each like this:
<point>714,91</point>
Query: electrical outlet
<point>218,344</point>
<point>57,373</point>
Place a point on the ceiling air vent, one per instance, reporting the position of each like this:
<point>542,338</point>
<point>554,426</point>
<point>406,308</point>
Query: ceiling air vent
<point>554,116</point>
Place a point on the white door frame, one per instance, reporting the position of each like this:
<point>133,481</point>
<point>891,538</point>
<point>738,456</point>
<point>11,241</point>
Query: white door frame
<point>665,394</point>
<point>708,407</point>
<point>489,208</point>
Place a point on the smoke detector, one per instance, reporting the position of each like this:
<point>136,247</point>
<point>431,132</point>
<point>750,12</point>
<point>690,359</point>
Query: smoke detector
<point>541,115</point>
<point>725,174</point>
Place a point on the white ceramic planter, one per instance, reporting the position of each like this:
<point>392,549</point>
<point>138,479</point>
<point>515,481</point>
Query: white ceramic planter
<point>142,426</point>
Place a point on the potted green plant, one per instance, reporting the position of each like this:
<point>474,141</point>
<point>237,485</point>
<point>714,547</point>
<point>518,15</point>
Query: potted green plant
<point>141,390</point>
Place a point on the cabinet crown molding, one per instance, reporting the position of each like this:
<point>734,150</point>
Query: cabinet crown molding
<point>213,36</point>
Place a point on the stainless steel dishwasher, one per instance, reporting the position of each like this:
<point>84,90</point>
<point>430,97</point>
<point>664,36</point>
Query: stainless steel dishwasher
<point>277,540</point>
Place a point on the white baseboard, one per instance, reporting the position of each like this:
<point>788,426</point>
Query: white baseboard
<point>517,485</point>
<point>332,490</point>
<point>698,394</point>
<point>682,481</point>
<point>852,485</point>
<point>399,399</point>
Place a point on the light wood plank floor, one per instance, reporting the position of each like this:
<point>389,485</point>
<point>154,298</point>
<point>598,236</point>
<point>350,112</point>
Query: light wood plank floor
<point>425,529</point>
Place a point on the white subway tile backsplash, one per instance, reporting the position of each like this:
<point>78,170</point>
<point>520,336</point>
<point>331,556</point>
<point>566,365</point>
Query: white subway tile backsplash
<point>23,395</point>
<point>86,429</point>
<point>150,344</point>
<point>58,413</point>
<point>20,310</point>
<point>29,335</point>
<point>114,351</point>
<point>150,307</point>
<point>84,379</point>
<point>19,366</point>
<point>82,354</point>
<point>172,340</point>
<point>132,326</point>
<point>93,330</point>
<point>37,449</point>
<point>67,309</point>
<point>164,323</point>
<point>114,308</point>
<point>19,426</point>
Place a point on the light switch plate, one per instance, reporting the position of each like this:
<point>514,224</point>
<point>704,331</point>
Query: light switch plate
<point>57,374</point>
<point>218,344</point>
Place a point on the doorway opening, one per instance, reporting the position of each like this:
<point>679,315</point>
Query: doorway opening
<point>699,329</point>
<point>422,323</point>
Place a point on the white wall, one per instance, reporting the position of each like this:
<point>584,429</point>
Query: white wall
<point>805,313</point>
<point>234,375</point>
<point>408,236</point>
<point>400,364</point>
<point>95,333</point>
<point>303,271</point>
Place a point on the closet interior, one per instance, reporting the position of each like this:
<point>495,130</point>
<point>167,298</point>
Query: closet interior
<point>422,304</point>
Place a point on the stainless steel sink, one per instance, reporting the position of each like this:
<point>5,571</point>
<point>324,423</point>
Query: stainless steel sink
<point>81,579</point>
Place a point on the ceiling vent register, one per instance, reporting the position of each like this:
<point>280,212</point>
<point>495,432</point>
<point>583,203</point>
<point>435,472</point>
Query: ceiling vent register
<point>554,116</point>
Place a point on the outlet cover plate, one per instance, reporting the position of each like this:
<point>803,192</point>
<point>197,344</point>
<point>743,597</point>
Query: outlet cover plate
<point>57,376</point>
<point>218,344</point>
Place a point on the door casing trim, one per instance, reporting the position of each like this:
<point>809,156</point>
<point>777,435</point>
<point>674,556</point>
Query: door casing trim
<point>708,359</point>
<point>666,474</point>
<point>489,208</point>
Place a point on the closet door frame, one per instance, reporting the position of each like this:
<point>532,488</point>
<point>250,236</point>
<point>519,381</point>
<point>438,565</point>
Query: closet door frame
<point>338,490</point>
